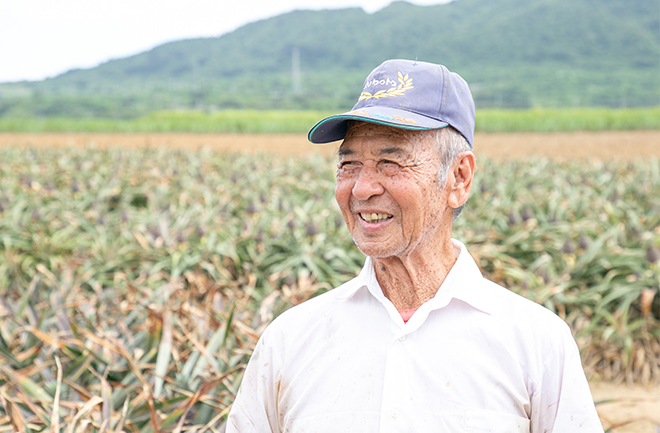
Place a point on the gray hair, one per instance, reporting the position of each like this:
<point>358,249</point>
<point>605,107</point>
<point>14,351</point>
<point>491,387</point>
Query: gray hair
<point>450,143</point>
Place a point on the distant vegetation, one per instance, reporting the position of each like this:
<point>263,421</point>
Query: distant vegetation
<point>514,54</point>
<point>573,119</point>
<point>252,121</point>
<point>228,121</point>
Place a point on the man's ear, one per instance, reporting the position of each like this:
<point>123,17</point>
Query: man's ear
<point>463,173</point>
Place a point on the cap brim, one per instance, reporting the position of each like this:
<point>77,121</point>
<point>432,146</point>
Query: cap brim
<point>334,128</point>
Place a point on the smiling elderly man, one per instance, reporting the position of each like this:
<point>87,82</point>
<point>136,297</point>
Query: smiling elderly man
<point>419,341</point>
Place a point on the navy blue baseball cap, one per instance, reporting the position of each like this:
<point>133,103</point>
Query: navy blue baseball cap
<point>406,94</point>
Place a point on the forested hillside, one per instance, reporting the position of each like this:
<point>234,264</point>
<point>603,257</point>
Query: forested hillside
<point>514,54</point>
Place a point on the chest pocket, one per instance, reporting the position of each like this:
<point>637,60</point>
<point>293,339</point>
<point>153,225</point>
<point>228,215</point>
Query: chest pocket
<point>486,421</point>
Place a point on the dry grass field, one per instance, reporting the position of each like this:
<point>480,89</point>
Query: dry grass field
<point>599,145</point>
<point>622,408</point>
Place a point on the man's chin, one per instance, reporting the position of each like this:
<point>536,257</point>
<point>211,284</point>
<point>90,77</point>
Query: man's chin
<point>376,251</point>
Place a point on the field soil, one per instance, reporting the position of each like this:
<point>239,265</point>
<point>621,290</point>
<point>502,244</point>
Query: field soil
<point>560,146</point>
<point>622,408</point>
<point>627,409</point>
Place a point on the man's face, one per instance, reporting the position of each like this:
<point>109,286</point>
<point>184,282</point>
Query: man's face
<point>387,190</point>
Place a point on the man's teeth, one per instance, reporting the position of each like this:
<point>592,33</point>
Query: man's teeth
<point>375,217</point>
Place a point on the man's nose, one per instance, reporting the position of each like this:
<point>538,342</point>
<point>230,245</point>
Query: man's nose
<point>367,184</point>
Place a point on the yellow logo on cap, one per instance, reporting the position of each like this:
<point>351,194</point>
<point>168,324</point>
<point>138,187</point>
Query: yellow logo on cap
<point>405,84</point>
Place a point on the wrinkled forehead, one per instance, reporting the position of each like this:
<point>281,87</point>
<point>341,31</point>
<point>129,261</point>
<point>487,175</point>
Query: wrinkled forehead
<point>364,129</point>
<point>387,135</point>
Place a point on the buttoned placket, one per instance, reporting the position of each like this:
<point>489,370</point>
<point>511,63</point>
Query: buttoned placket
<point>395,389</point>
<point>398,401</point>
<point>397,404</point>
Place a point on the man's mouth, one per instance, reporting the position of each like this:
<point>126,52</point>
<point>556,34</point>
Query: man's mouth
<point>375,217</point>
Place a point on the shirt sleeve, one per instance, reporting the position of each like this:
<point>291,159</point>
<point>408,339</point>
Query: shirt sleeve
<point>255,407</point>
<point>562,401</point>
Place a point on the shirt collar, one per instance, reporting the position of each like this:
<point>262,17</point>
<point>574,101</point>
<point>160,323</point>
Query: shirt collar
<point>364,279</point>
<point>462,283</point>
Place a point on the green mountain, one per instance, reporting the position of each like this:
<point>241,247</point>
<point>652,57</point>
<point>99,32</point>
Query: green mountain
<point>514,54</point>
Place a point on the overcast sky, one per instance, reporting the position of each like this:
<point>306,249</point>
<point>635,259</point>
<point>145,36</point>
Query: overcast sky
<point>44,38</point>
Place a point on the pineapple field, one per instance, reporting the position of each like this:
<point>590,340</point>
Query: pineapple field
<point>137,271</point>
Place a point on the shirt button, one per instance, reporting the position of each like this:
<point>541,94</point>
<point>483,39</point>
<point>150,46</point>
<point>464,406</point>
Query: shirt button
<point>403,337</point>
<point>394,413</point>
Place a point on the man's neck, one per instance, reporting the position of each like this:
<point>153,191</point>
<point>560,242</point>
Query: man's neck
<point>410,281</point>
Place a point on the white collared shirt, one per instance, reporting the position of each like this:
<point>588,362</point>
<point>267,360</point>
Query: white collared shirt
<point>475,358</point>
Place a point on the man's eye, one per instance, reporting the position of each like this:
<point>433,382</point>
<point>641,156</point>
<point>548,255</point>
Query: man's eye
<point>389,164</point>
<point>389,168</point>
